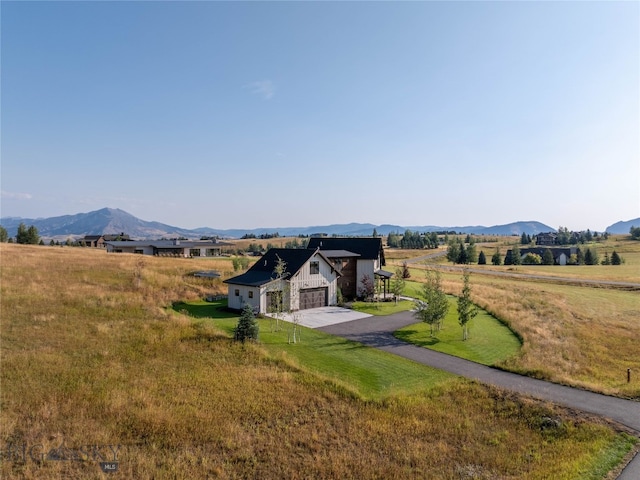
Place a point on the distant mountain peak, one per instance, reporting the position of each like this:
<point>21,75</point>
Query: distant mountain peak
<point>114,220</point>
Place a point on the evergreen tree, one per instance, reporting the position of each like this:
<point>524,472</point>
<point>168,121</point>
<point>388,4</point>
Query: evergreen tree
<point>4,235</point>
<point>496,258</point>
<point>482,260</point>
<point>33,238</point>
<point>22,237</point>
<point>579,257</point>
<point>472,256</point>
<point>515,255</point>
<point>405,271</point>
<point>615,258</point>
<point>453,251</point>
<point>247,327</point>
<point>591,257</point>
<point>547,257</point>
<point>523,239</point>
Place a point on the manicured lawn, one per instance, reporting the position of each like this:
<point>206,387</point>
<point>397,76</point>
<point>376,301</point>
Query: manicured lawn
<point>382,308</point>
<point>368,372</point>
<point>489,342</point>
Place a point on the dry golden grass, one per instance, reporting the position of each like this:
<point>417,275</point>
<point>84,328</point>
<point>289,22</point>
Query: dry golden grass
<point>91,355</point>
<point>582,336</point>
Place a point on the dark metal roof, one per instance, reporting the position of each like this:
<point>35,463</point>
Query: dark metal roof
<point>262,271</point>
<point>339,254</point>
<point>383,273</point>
<point>369,248</point>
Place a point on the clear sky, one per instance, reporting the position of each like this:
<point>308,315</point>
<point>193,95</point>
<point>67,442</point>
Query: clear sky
<point>277,114</point>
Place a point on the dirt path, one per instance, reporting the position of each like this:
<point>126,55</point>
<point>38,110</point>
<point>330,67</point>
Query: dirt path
<point>378,331</point>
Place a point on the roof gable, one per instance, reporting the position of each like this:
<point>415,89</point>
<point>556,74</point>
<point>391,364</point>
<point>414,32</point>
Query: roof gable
<point>263,271</point>
<point>369,248</point>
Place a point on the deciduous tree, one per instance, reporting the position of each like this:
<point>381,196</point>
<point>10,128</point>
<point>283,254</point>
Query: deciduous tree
<point>435,305</point>
<point>398,284</point>
<point>466,309</point>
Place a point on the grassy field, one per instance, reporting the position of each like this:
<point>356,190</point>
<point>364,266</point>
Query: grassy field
<point>96,361</point>
<point>490,342</point>
<point>581,336</point>
<point>367,374</point>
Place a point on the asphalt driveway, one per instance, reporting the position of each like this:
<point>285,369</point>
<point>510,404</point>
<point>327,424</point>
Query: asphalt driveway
<point>378,331</point>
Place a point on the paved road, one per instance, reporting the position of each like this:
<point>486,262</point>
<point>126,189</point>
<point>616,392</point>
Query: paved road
<point>377,331</point>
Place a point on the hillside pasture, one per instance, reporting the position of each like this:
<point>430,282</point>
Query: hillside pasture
<point>93,353</point>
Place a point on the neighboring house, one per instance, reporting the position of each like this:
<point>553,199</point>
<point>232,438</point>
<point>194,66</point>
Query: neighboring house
<point>309,281</point>
<point>99,241</point>
<point>561,256</point>
<point>354,257</point>
<point>168,248</point>
<point>547,239</point>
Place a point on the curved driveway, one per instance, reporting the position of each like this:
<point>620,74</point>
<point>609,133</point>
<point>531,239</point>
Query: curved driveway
<point>377,332</point>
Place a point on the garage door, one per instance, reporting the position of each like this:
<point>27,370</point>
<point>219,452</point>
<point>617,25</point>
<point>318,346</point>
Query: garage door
<point>313,298</point>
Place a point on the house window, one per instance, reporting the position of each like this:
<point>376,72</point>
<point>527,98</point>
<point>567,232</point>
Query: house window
<point>314,268</point>
<point>250,294</point>
<point>236,292</point>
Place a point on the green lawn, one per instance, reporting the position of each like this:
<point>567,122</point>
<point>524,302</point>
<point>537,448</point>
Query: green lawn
<point>489,341</point>
<point>382,308</point>
<point>370,373</point>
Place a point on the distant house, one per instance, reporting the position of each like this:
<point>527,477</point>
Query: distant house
<point>561,256</point>
<point>309,281</point>
<point>549,238</point>
<point>99,241</point>
<point>168,248</point>
<point>354,257</point>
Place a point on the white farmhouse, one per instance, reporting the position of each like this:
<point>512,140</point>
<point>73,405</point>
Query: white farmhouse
<point>309,280</point>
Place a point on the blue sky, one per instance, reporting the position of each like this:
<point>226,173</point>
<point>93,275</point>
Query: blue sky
<point>267,114</point>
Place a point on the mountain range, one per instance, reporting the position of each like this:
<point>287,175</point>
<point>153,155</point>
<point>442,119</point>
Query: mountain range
<point>113,221</point>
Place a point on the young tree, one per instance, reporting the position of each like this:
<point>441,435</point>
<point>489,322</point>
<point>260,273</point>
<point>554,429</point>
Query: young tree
<point>247,327</point>
<point>466,309</point>
<point>398,284</point>
<point>435,305</point>
<point>482,259</point>
<point>278,291</point>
